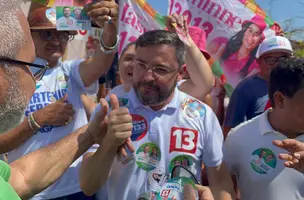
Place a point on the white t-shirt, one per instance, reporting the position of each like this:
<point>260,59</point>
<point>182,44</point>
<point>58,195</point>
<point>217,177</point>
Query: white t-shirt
<point>185,130</point>
<point>266,177</point>
<point>64,78</point>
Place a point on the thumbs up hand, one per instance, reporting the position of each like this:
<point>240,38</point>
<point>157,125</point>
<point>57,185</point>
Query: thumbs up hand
<point>119,124</point>
<point>98,127</point>
<point>57,114</point>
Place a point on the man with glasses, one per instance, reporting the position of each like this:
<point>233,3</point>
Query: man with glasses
<point>250,97</point>
<point>171,123</point>
<point>34,172</point>
<point>55,109</point>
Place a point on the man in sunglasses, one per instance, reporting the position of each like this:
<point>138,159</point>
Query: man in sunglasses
<point>55,109</point>
<point>250,97</point>
<point>34,172</point>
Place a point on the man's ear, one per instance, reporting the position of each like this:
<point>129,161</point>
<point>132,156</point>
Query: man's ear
<point>181,72</point>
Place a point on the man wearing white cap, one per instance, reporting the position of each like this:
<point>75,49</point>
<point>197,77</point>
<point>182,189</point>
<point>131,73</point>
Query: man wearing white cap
<point>250,97</point>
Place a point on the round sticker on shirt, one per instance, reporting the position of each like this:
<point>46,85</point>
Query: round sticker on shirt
<point>174,188</point>
<point>140,127</point>
<point>51,15</point>
<point>263,161</point>
<point>193,109</point>
<point>62,82</point>
<point>148,156</point>
<point>156,179</point>
<point>183,160</point>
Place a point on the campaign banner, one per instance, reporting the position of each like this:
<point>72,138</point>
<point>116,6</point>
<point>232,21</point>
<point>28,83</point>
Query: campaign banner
<point>234,30</point>
<point>133,21</point>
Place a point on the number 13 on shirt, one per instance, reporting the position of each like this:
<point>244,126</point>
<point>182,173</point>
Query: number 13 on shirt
<point>183,140</point>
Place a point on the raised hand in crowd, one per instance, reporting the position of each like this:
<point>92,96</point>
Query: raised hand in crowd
<point>201,80</point>
<point>118,124</point>
<point>119,129</point>
<point>295,158</point>
<point>57,114</point>
<point>204,193</point>
<point>100,13</point>
<point>178,20</point>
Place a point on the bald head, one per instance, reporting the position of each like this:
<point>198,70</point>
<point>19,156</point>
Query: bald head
<point>11,33</point>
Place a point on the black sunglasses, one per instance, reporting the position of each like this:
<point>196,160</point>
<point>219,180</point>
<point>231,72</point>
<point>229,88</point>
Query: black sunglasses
<point>180,171</point>
<point>38,75</point>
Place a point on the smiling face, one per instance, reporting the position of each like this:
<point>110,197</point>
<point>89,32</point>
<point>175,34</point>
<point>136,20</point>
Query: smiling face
<point>252,37</point>
<point>51,50</point>
<point>155,88</point>
<point>146,149</point>
<point>154,151</point>
<point>126,66</point>
<point>67,12</point>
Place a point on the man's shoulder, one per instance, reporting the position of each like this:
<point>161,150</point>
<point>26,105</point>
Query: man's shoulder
<point>246,128</point>
<point>249,82</point>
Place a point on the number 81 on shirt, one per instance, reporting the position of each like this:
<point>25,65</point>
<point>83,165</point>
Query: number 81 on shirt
<point>183,140</point>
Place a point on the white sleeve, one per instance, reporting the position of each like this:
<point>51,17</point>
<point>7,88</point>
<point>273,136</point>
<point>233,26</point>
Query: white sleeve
<point>230,145</point>
<point>71,68</point>
<point>213,140</point>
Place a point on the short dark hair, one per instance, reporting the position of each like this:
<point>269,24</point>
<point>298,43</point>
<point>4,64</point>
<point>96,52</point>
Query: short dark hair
<point>66,7</point>
<point>287,77</point>
<point>158,37</point>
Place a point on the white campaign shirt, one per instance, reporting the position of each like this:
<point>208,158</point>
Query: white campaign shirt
<point>64,78</point>
<point>186,130</point>
<point>261,177</point>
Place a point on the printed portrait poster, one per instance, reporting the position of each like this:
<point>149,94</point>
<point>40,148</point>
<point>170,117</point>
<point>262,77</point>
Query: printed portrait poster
<point>72,18</point>
<point>234,30</point>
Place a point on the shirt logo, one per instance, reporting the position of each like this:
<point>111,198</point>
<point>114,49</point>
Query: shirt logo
<point>140,127</point>
<point>183,140</point>
<point>263,161</point>
<point>193,109</point>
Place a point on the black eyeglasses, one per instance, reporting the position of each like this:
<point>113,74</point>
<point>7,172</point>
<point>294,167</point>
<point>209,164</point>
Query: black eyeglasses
<point>37,75</point>
<point>62,36</point>
<point>274,60</point>
<point>180,171</point>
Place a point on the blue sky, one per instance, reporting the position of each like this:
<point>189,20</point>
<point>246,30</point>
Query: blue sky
<point>280,10</point>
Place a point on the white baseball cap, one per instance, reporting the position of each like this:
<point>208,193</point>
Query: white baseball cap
<point>274,44</point>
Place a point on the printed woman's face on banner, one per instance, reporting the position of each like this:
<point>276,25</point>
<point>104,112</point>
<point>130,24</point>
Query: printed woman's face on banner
<point>252,37</point>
